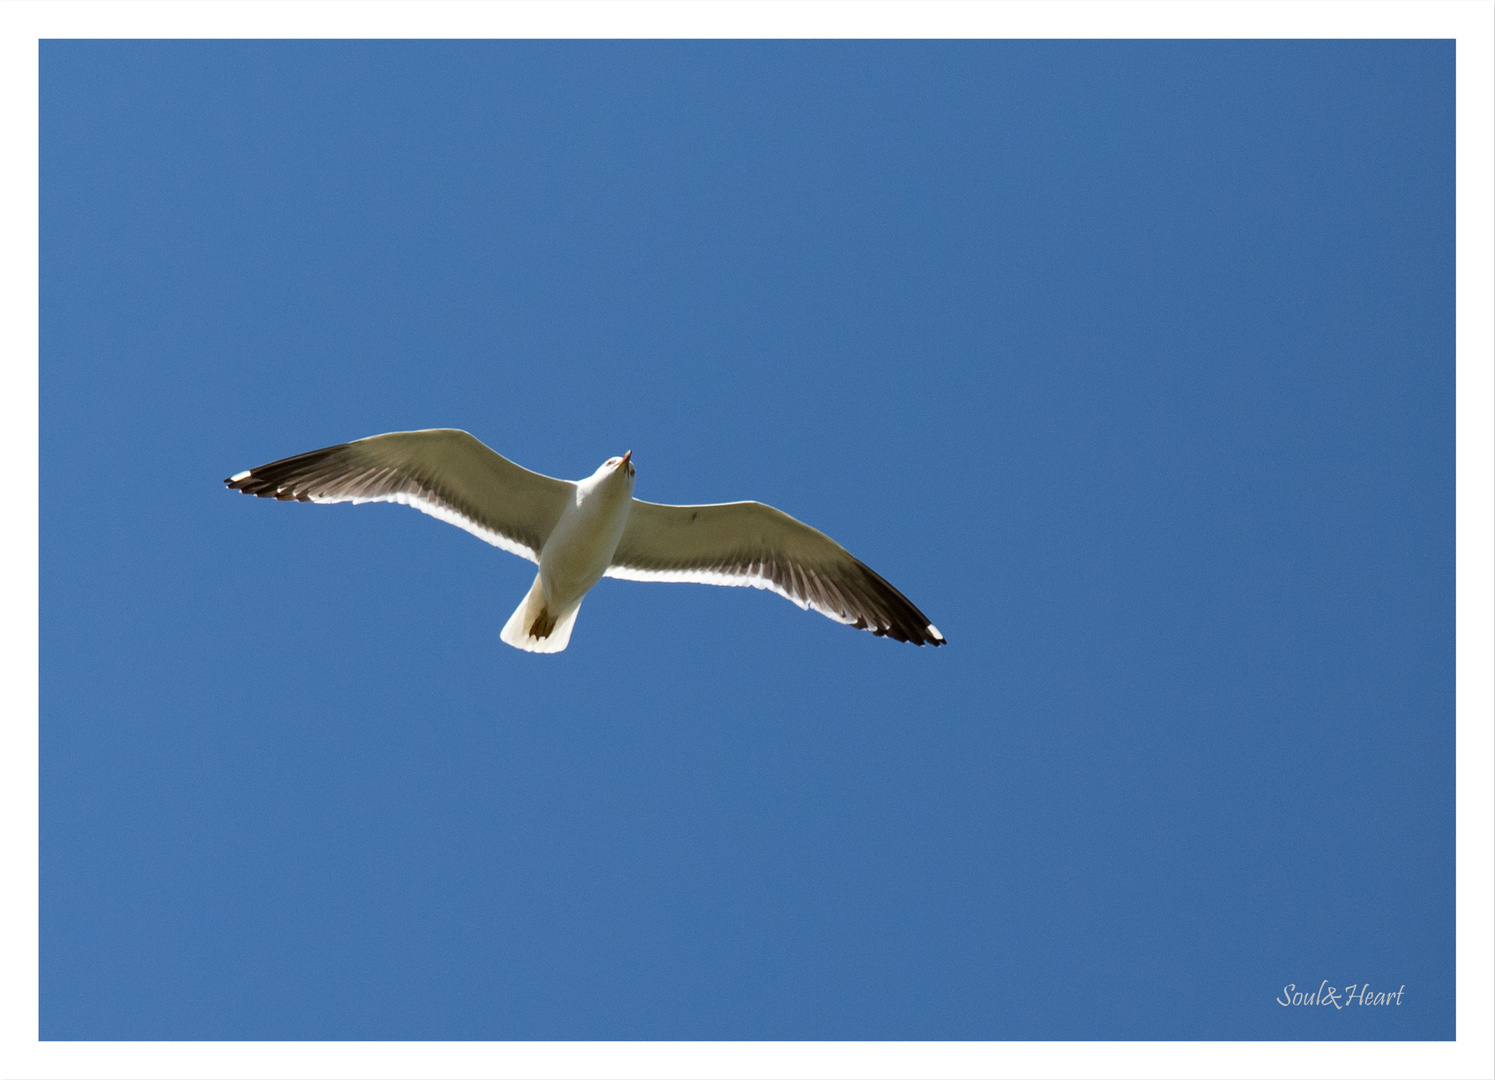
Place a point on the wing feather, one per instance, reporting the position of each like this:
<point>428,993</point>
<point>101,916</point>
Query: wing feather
<point>442,472</point>
<point>748,543</point>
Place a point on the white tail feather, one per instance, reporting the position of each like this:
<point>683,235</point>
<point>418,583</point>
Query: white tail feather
<point>532,609</point>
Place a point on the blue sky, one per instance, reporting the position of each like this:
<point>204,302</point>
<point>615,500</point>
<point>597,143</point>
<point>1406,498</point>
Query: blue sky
<point>1132,364</point>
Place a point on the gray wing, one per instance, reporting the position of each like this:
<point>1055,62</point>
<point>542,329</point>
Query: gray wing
<point>748,543</point>
<point>442,472</point>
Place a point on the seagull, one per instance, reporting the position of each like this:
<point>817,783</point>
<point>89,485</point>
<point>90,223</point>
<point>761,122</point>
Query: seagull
<point>580,532</point>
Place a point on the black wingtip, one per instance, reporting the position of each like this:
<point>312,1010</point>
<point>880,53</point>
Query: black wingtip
<point>243,481</point>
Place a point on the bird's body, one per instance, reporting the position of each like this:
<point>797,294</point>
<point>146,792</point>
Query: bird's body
<point>576,554</point>
<point>580,532</point>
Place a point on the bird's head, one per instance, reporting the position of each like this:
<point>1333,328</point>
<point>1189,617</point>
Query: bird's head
<point>622,465</point>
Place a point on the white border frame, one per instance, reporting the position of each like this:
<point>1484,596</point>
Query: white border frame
<point>1470,22</point>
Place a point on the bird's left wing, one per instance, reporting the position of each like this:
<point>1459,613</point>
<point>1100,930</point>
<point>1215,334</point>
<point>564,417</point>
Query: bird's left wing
<point>442,472</point>
<point>748,543</point>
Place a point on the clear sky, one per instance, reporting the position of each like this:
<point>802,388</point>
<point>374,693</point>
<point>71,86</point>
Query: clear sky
<point>1131,364</point>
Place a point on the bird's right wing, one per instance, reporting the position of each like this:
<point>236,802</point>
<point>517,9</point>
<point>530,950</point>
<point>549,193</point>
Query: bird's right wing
<point>442,472</point>
<point>749,543</point>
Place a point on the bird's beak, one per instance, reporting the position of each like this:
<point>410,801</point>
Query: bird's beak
<point>626,457</point>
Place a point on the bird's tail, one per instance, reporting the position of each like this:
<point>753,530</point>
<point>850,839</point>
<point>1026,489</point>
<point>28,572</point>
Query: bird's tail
<point>535,628</point>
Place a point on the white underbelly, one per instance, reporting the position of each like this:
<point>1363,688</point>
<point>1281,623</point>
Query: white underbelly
<point>581,547</point>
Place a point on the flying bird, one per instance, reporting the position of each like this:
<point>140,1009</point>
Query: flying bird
<point>580,532</point>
